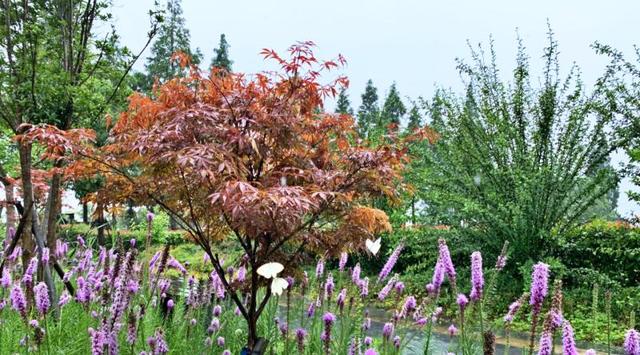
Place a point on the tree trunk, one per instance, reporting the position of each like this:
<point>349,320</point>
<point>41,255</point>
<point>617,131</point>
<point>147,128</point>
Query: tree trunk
<point>27,196</point>
<point>51,211</point>
<point>85,213</point>
<point>46,269</point>
<point>173,224</point>
<point>100,222</point>
<point>11,210</point>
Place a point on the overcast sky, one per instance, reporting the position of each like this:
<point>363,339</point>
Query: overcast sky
<point>412,43</point>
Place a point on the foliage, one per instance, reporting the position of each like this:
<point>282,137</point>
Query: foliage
<point>221,59</point>
<point>248,159</point>
<point>393,109</point>
<point>517,161</point>
<point>368,112</point>
<point>343,105</point>
<point>173,37</point>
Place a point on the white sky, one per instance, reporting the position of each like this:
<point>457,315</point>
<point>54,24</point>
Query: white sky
<point>411,42</point>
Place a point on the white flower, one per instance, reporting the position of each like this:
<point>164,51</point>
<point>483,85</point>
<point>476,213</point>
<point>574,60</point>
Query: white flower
<point>278,285</point>
<point>270,270</point>
<point>373,247</point>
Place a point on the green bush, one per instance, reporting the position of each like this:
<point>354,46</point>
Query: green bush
<point>611,248</point>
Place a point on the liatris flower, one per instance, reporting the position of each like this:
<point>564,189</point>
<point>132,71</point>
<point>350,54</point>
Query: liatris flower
<point>65,297</point>
<point>217,310</point>
<point>27,278</point>
<point>17,253</point>
<point>462,301</point>
<point>173,263</point>
<point>45,255</point>
<point>284,328</point>
<point>342,296</point>
<point>546,344</point>
<point>539,285</point>
<point>387,330</point>
<point>355,274</point>
<point>408,306</point>
<point>226,352</point>
<point>445,259</point>
<point>328,319</point>
<point>364,287</point>
<point>568,342</point>
<point>370,351</point>
<point>311,310</point>
<point>352,347</point>
<point>436,314</point>
<point>391,262</point>
<point>150,216</point>
<point>160,346</point>
<point>214,326</point>
<point>343,261</point>
<point>132,330</point>
<point>242,274</point>
<point>154,259</point>
<point>41,295</point>
<point>320,269</point>
<point>220,341</point>
<point>170,304</point>
<point>554,318</point>
<point>301,333</point>
<point>368,341</point>
<point>80,241</point>
<point>632,342</point>
<point>5,281</point>
<point>18,301</point>
<point>399,287</point>
<point>477,278</point>
<point>422,321</point>
<point>208,342</point>
<point>328,287</point>
<point>98,341</point>
<point>61,249</point>
<point>386,289</point>
<point>452,330</point>
<point>396,341</point>
<point>193,322</point>
<point>590,352</point>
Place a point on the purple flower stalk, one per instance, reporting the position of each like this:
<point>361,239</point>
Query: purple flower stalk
<point>242,274</point>
<point>18,301</point>
<point>386,289</point>
<point>161,346</point>
<point>477,278</point>
<point>545,344</point>
<point>27,279</point>
<point>64,299</point>
<point>445,259</point>
<point>396,342</point>
<point>301,333</point>
<point>364,287</point>
<point>368,341</point>
<point>328,287</point>
<point>320,269</point>
<point>501,262</point>
<point>590,352</point>
<point>452,330</point>
<point>98,341</point>
<point>343,260</point>
<point>5,281</point>
<point>311,310</point>
<point>41,294</point>
<point>45,255</point>
<point>150,217</point>
<point>220,341</point>
<point>391,262</point>
<point>355,274</point>
<point>539,286</point>
<point>387,330</point>
<point>399,287</point>
<point>462,301</point>
<point>568,341</point>
<point>513,309</point>
<point>408,306</point>
<point>328,319</point>
<point>632,342</point>
<point>217,310</point>
<point>370,351</point>
<point>342,296</point>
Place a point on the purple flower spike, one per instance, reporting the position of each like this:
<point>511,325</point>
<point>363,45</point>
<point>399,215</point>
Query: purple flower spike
<point>452,330</point>
<point>370,352</point>
<point>545,344</point>
<point>343,261</point>
<point>41,294</point>
<point>477,278</point>
<point>320,269</point>
<point>539,286</point>
<point>391,262</point>
<point>632,342</point>
<point>387,330</point>
<point>355,274</point>
<point>462,301</point>
<point>568,341</point>
<point>445,259</point>
<point>301,333</point>
<point>18,301</point>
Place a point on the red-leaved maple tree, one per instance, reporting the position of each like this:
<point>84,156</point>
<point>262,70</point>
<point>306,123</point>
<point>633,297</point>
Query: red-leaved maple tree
<point>254,158</point>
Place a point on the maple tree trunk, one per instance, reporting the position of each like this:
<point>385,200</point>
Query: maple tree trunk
<point>52,211</point>
<point>85,213</point>
<point>27,200</point>
<point>11,210</point>
<point>100,221</point>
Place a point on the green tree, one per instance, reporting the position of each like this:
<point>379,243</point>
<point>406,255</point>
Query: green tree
<point>221,59</point>
<point>415,118</point>
<point>515,161</point>
<point>393,109</point>
<point>343,105</point>
<point>368,112</point>
<point>172,37</point>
